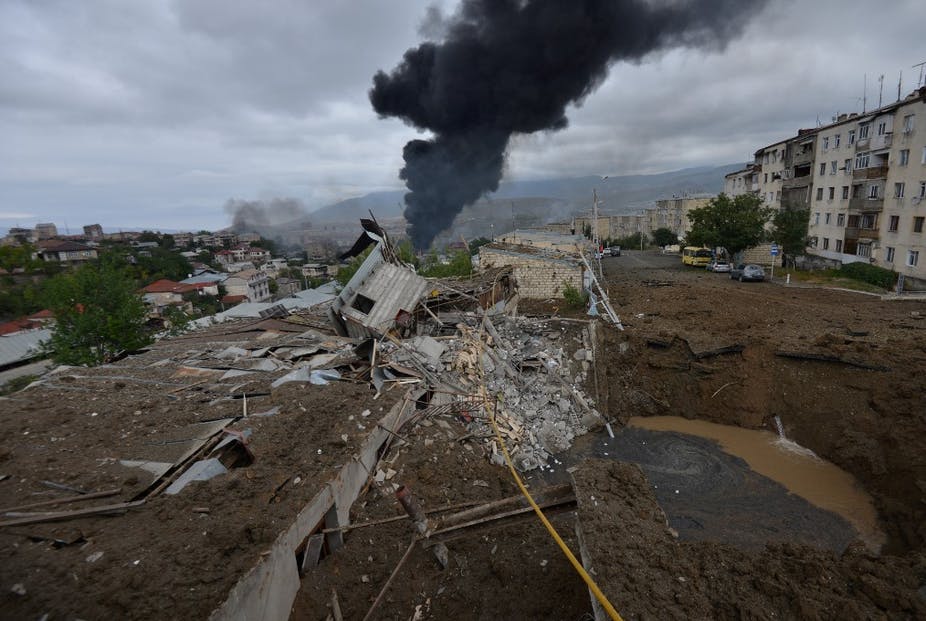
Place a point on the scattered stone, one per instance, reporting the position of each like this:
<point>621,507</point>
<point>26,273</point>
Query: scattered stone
<point>93,558</point>
<point>19,589</point>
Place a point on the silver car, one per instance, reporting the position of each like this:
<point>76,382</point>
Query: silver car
<point>718,265</point>
<point>748,272</point>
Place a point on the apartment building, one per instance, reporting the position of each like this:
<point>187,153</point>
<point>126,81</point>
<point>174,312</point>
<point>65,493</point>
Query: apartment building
<point>869,188</point>
<point>903,234</point>
<point>768,172</point>
<point>740,181</point>
<point>797,172</point>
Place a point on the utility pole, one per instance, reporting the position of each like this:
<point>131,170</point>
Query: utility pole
<point>880,88</point>
<point>865,95</point>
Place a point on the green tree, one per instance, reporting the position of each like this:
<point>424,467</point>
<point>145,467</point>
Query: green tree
<point>664,237</point>
<point>478,243</point>
<point>735,224</point>
<point>98,315</point>
<point>791,230</point>
<point>460,264</point>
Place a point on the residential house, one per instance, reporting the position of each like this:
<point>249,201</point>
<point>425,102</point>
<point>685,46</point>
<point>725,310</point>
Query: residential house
<point>64,251</point>
<point>93,231</point>
<point>287,287</point>
<point>673,213</point>
<point>251,283</point>
<point>163,294</point>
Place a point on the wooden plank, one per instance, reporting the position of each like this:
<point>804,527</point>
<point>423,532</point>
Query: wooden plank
<point>313,552</point>
<point>70,515</point>
<point>63,501</point>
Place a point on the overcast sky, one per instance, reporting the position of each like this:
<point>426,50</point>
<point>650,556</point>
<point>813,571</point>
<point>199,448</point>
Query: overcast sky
<point>154,113</point>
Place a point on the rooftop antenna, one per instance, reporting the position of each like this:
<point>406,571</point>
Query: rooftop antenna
<point>899,84</point>
<point>865,95</point>
<point>880,88</point>
<point>920,79</point>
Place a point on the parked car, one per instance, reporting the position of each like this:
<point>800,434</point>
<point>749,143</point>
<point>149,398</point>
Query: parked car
<point>718,265</point>
<point>615,251</point>
<point>748,272</point>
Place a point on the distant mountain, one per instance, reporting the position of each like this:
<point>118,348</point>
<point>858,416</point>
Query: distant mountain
<point>619,193</point>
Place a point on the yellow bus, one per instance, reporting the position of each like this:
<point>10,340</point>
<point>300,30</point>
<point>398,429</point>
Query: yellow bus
<point>692,255</point>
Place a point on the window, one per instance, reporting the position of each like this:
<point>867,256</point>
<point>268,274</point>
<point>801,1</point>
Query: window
<point>848,166</point>
<point>836,141</point>
<point>819,194</point>
<point>918,224</point>
<point>868,221</point>
<point>826,243</point>
<point>816,217</point>
<point>861,160</point>
<point>904,157</point>
<point>863,250</point>
<point>913,258</point>
<point>889,255</point>
<point>851,137</point>
<point>838,245</point>
<point>833,166</point>
<point>923,159</point>
<point>823,168</point>
<point>840,219</point>
<point>765,179</point>
<point>845,192</point>
<point>922,193</point>
<point>778,195</point>
<point>832,193</point>
<point>863,131</point>
<point>893,223</point>
<point>826,217</point>
<point>898,189</point>
<point>908,124</point>
<point>765,161</point>
<point>857,190</point>
<point>826,143</point>
<point>873,191</point>
<point>882,128</point>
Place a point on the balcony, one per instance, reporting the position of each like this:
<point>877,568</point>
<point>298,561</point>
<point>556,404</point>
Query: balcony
<point>799,159</point>
<point>796,182</point>
<point>866,205</point>
<point>855,233</point>
<point>883,141</point>
<point>872,172</point>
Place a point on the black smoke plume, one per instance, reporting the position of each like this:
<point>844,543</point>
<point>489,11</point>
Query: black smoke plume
<point>512,66</point>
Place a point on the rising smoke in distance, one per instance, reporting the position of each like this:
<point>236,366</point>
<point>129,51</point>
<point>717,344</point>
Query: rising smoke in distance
<point>263,216</point>
<point>513,66</point>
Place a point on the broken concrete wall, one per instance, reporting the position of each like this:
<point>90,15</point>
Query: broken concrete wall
<point>538,275</point>
<point>269,589</point>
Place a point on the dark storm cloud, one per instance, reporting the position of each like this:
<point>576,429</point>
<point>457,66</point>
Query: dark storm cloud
<point>170,107</point>
<point>509,66</point>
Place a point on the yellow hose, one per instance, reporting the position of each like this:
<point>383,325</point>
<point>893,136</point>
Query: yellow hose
<point>602,599</point>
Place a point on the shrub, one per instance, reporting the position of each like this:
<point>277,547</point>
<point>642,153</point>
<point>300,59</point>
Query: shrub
<point>574,297</point>
<point>877,276</point>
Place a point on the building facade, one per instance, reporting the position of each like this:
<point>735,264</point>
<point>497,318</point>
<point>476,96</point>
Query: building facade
<point>869,188</point>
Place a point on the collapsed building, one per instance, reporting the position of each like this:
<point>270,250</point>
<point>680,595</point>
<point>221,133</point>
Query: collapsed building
<point>291,411</point>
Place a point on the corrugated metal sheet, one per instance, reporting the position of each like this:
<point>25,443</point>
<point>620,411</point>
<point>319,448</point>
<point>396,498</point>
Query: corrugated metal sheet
<point>392,288</point>
<point>21,346</point>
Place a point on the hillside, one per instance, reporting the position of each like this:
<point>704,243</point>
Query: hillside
<point>619,193</point>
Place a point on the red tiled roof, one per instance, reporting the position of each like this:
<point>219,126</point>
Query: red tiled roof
<point>42,314</point>
<point>17,325</point>
<point>164,286</point>
<point>234,299</point>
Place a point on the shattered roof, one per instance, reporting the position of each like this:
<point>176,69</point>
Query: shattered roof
<point>21,346</point>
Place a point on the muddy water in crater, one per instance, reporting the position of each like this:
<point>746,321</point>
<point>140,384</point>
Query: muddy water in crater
<point>800,471</point>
